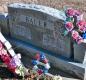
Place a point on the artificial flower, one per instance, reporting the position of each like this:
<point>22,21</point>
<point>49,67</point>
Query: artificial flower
<point>4,56</point>
<point>13,63</point>
<point>4,52</point>
<point>84,35</point>
<point>45,61</point>
<point>42,56</point>
<point>69,26</point>
<point>79,40</point>
<point>79,18</point>
<point>37,56</point>
<point>81,25</point>
<point>40,71</point>
<point>70,12</point>
<point>75,34</point>
<point>35,62</point>
<point>78,15</point>
<point>35,67</point>
<point>47,66</point>
<point>17,60</point>
<point>21,68</point>
<point>11,68</point>
<point>6,59</point>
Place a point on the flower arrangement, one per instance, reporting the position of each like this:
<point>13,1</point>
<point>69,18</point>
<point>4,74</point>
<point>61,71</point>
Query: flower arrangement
<point>75,25</point>
<point>15,66</point>
<point>13,63</point>
<point>40,59</point>
<point>34,75</point>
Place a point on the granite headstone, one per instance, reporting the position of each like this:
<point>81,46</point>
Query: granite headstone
<point>41,26</point>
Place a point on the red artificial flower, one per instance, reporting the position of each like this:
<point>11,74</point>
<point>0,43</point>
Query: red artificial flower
<point>6,59</point>
<point>69,26</point>
<point>10,65</point>
<point>11,68</point>
<point>10,62</point>
<point>75,34</point>
<point>37,56</point>
<point>4,56</point>
<point>40,71</point>
<point>81,25</point>
<point>70,12</point>
<point>45,61</point>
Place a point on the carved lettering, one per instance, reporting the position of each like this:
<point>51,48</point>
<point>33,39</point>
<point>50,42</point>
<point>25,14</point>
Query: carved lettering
<point>22,31</point>
<point>36,22</point>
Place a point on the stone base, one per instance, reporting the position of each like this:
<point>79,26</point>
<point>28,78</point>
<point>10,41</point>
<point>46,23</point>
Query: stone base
<point>80,53</point>
<point>76,69</point>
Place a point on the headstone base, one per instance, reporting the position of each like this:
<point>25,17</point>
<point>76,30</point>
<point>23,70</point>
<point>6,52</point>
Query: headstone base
<point>75,69</point>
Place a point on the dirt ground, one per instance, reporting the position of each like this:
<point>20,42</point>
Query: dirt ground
<point>58,4</point>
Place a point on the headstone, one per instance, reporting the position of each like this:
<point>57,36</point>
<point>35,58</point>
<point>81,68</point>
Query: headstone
<point>41,26</point>
<point>80,52</point>
<point>4,23</point>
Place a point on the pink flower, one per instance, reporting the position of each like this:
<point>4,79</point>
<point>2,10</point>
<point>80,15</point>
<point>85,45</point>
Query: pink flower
<point>75,34</point>
<point>81,25</point>
<point>69,26</point>
<point>4,52</point>
<point>45,61</point>
<point>79,40</point>
<point>70,12</point>
<point>77,13</point>
<point>77,37</point>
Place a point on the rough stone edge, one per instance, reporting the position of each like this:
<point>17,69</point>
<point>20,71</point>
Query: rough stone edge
<point>50,11</point>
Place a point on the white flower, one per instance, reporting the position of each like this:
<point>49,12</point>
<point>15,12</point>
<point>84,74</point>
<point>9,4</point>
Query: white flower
<point>47,66</point>
<point>35,67</point>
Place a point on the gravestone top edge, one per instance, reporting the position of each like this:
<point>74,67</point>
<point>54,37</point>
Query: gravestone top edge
<point>48,10</point>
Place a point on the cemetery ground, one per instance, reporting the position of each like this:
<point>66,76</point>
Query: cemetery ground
<point>58,4</point>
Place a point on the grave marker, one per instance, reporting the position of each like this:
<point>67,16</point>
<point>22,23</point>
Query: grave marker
<point>41,26</point>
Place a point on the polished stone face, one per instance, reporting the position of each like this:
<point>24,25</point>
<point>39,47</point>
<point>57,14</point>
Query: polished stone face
<point>41,26</point>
